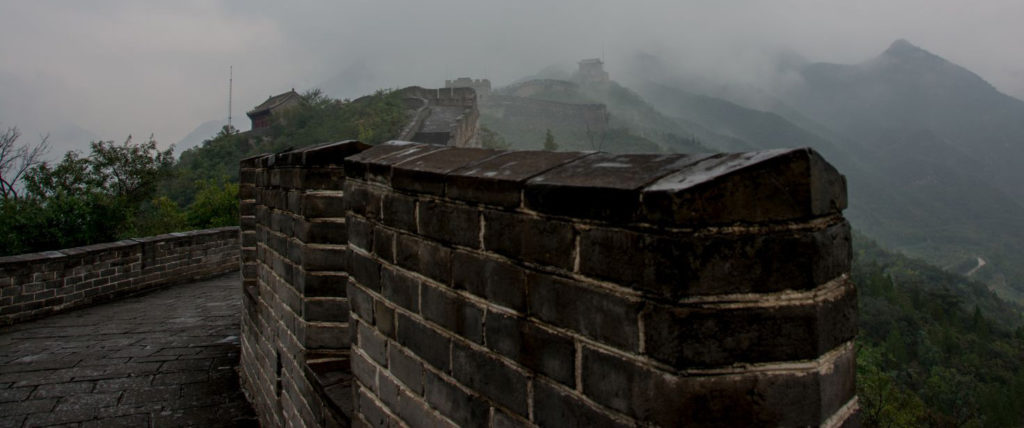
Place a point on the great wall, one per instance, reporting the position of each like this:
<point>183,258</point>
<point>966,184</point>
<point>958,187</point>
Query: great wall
<point>438,284</point>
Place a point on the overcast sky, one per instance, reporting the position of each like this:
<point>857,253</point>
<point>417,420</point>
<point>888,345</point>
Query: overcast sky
<point>114,67</point>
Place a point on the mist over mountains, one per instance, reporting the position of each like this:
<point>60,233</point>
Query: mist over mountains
<point>930,149</point>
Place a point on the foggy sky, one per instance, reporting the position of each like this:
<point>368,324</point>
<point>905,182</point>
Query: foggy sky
<point>114,67</point>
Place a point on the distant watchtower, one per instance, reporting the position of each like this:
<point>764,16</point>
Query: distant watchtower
<point>481,86</point>
<point>262,115</point>
<point>591,71</point>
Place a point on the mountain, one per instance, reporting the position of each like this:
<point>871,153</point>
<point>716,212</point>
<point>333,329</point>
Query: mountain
<point>929,148</point>
<point>203,132</point>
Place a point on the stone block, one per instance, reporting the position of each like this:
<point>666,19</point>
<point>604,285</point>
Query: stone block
<point>677,265</point>
<point>453,312</point>
<point>426,174</point>
<point>362,199</point>
<point>499,180</point>
<point>490,377</point>
<point>365,270</point>
<point>427,258</point>
<point>536,348</point>
<point>357,166</point>
<point>321,284</point>
<point>602,186</point>
<point>406,369</point>
<point>583,308</point>
<point>461,407</point>
<point>400,289</point>
<point>431,346</point>
<point>364,371</point>
<point>373,344</point>
<point>499,282</point>
<point>762,398</point>
<point>399,211</point>
<point>378,161</point>
<point>531,239</point>
<point>360,233</point>
<point>320,257</point>
<point>754,187</point>
<point>384,318</point>
<point>326,336</point>
<point>384,243</point>
<point>553,407</point>
<point>322,231</point>
<point>360,301</point>
<point>325,309</point>
<point>323,204</point>
<point>719,335</point>
<point>450,223</point>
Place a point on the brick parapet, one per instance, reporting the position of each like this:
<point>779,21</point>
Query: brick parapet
<point>41,284</point>
<point>527,288</point>
<point>295,327</point>
<point>424,285</point>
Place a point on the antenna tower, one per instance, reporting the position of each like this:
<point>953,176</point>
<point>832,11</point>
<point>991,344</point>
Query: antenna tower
<point>231,82</point>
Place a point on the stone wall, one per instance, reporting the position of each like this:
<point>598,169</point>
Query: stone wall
<point>487,288</point>
<point>294,254</point>
<point>40,284</point>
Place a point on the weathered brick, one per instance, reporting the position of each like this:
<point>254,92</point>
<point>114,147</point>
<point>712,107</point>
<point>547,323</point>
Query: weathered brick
<point>706,336</point>
<point>751,399</point>
<point>323,231</point>
<point>364,371</point>
<point>400,289</point>
<point>371,411</point>
<point>426,174</point>
<point>360,233</point>
<point>755,187</point>
<point>318,204</point>
<point>427,258</point>
<point>415,412</point>
<point>373,344</point>
<point>450,223</point>
<point>678,265</point>
<point>490,377</point>
<point>360,301</point>
<point>384,318</point>
<point>399,211</point>
<point>384,244</point>
<point>452,312</point>
<point>555,408</point>
<point>461,407</point>
<point>364,270</point>
<point>406,369</point>
<point>537,349</point>
<point>497,281</point>
<point>326,309</point>
<point>321,284</point>
<point>423,341</point>
<point>579,307</point>
<point>362,199</point>
<point>499,180</point>
<point>319,257</point>
<point>602,186</point>
<point>326,336</point>
<point>531,239</point>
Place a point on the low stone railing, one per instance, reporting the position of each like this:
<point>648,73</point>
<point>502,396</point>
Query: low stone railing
<point>39,284</point>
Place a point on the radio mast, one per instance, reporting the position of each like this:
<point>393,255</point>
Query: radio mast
<point>231,81</point>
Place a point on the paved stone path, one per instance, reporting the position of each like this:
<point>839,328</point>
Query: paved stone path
<point>166,358</point>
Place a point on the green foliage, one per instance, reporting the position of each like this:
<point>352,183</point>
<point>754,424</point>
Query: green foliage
<point>934,347</point>
<point>215,205</point>
<point>157,216</point>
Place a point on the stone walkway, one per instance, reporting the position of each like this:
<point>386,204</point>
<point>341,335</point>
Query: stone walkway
<point>166,358</point>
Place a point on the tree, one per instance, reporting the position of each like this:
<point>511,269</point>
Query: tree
<point>15,161</point>
<point>549,142</point>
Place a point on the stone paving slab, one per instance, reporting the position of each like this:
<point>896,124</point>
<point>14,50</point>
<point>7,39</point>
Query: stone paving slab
<point>167,358</point>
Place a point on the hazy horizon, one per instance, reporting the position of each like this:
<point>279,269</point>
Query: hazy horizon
<point>114,68</point>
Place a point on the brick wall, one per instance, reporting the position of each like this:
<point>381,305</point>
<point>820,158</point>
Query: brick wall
<point>295,335</point>
<point>572,289</point>
<point>40,284</point>
<point>487,288</point>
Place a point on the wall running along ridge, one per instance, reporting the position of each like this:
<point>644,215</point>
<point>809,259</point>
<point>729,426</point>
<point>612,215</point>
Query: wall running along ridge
<point>499,288</point>
<point>40,284</point>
